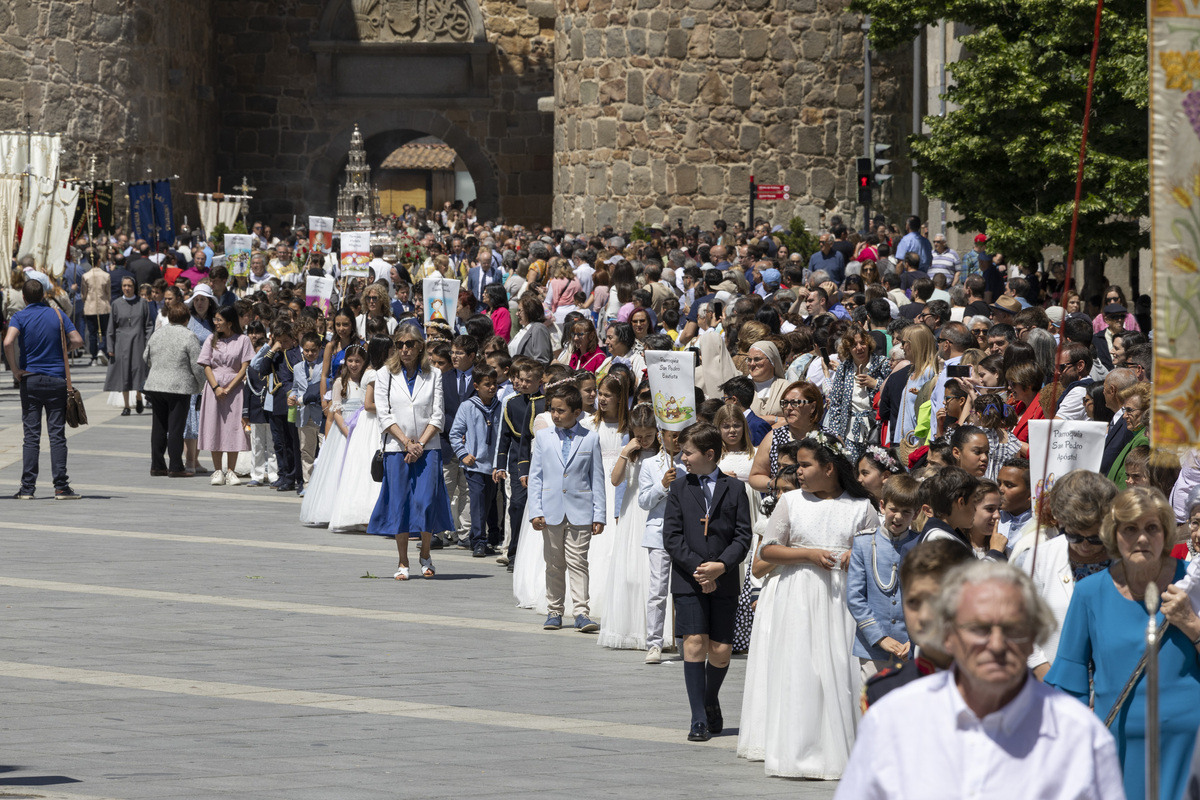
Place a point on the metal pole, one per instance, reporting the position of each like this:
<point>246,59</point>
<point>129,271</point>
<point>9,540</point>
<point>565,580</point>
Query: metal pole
<point>942,55</point>
<point>916,102</point>
<point>753,192</point>
<point>1152,752</point>
<point>868,137</point>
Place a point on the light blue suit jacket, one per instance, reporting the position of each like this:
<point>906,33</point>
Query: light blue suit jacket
<point>571,491</point>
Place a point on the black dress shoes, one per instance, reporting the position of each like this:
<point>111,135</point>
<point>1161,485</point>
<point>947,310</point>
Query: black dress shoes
<point>716,723</point>
<point>699,733</point>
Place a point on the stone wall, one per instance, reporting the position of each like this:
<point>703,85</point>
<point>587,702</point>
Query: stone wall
<point>131,83</point>
<point>665,108</point>
<point>287,108</point>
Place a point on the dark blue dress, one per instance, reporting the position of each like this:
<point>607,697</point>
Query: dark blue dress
<point>1104,628</point>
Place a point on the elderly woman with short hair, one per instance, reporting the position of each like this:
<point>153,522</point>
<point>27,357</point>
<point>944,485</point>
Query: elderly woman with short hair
<point>1135,401</point>
<point>1074,550</point>
<point>174,375</point>
<point>533,339</point>
<point>1104,633</point>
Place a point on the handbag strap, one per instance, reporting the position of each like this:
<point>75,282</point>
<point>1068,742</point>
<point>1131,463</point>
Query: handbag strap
<point>62,336</point>
<point>1133,679</point>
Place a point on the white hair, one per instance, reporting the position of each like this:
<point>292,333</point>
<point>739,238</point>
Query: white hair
<point>945,607</point>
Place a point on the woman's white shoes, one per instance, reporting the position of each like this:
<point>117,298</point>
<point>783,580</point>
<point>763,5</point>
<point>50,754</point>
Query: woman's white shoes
<point>231,478</point>
<point>218,478</point>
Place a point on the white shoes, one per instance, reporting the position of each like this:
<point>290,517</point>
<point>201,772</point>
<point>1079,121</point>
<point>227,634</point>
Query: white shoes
<point>218,478</point>
<point>231,479</point>
<point>654,655</point>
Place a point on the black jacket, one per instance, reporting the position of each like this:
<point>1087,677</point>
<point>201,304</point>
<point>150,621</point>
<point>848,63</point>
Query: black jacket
<point>516,433</point>
<point>891,400</point>
<point>727,539</point>
<point>451,399</point>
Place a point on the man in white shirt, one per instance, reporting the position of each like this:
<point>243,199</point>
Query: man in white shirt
<point>945,261</point>
<point>985,729</point>
<point>583,270</point>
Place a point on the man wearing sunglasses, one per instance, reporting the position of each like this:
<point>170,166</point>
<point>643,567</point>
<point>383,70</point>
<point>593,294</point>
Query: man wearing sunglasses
<point>1073,370</point>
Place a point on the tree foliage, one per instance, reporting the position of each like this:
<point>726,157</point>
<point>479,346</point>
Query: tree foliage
<point>798,239</point>
<point>1006,157</point>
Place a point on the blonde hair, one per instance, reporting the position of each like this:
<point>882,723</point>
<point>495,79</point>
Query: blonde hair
<point>407,333</point>
<point>1129,506</point>
<point>385,305</point>
<point>921,349</point>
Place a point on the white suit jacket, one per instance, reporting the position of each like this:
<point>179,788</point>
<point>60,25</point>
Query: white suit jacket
<point>571,491</point>
<point>412,412</point>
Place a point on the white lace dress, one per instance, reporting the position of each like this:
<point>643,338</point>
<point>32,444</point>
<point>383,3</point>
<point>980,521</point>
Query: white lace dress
<point>806,717</point>
<point>602,547</point>
<point>625,591</point>
<point>357,493</point>
<point>322,487</point>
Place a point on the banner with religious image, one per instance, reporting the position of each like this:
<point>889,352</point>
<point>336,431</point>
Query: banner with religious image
<point>99,202</point>
<point>320,237</point>
<point>318,291</point>
<point>356,254</point>
<point>237,254</point>
<point>672,388</point>
<point>141,211</point>
<point>1059,446</point>
<point>1175,219</point>
<point>441,299</point>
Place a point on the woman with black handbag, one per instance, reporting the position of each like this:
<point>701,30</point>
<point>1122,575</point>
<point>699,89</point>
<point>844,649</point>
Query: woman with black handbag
<point>411,415</point>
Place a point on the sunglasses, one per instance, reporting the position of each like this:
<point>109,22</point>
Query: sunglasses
<point>794,403</point>
<point>408,344</point>
<point>1075,538</point>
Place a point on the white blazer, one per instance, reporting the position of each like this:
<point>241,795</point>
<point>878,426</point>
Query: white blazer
<point>412,412</point>
<point>1055,583</point>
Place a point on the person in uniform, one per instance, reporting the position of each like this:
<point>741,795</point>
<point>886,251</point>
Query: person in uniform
<point>921,574</point>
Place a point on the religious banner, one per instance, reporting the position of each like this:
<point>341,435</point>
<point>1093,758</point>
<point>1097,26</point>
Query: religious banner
<point>440,298</point>
<point>1175,220</point>
<point>320,237</point>
<point>141,211</point>
<point>356,254</point>
<point>672,387</point>
<point>164,214</point>
<point>318,291</point>
<point>48,225</point>
<point>1059,446</point>
<point>99,202</point>
<point>237,254</point>
<point>10,204</point>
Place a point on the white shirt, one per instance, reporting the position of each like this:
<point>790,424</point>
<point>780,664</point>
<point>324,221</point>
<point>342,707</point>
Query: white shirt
<point>921,742</point>
<point>1071,406</point>
<point>583,274</point>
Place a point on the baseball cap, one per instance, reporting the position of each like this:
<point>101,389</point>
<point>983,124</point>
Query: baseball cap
<point>980,238</point>
<point>770,276</point>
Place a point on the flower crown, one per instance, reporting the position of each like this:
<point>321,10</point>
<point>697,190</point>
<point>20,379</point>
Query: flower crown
<point>830,442</point>
<point>881,456</point>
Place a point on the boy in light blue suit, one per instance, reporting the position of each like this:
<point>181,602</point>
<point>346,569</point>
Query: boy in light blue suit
<point>566,503</point>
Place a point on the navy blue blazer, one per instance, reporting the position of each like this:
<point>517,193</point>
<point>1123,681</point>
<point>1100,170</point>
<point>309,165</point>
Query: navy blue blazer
<point>759,427</point>
<point>727,539</point>
<point>1114,442</point>
<point>451,398</point>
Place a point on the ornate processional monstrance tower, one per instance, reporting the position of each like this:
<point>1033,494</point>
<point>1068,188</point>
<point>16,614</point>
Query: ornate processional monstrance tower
<point>358,202</point>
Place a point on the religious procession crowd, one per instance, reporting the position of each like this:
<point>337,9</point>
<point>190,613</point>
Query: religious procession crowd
<point>853,507</point>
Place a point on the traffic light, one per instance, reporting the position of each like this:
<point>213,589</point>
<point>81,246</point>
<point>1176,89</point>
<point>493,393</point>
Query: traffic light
<point>864,181</point>
<point>880,163</point>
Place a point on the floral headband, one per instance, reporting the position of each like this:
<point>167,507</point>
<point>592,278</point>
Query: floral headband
<point>883,458</point>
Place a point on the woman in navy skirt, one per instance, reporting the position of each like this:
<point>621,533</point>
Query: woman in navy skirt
<point>413,499</point>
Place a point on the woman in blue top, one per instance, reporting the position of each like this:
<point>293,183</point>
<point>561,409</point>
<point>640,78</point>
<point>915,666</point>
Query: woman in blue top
<point>1106,627</point>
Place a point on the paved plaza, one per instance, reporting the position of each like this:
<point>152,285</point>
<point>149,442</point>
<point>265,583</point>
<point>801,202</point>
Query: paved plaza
<point>166,638</point>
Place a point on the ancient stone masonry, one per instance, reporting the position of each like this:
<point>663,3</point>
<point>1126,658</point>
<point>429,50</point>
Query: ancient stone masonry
<point>665,108</point>
<point>131,83</point>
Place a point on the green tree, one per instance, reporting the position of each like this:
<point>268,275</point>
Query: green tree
<point>798,239</point>
<point>1006,157</point>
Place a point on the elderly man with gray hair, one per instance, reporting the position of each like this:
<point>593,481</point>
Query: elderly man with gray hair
<point>985,728</point>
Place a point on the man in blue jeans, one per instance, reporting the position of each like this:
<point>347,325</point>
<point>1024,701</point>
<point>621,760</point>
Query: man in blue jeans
<point>42,378</point>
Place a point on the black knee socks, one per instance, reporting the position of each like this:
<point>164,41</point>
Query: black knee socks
<point>694,679</point>
<point>714,677</point>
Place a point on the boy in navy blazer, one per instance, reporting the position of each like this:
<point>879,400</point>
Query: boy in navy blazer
<point>706,531</point>
<point>458,386</point>
<point>567,503</point>
<point>275,364</point>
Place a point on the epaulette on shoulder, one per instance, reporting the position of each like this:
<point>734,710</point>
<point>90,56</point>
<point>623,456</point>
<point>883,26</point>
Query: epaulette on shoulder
<point>866,533</point>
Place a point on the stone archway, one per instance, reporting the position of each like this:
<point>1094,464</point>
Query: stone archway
<point>384,131</point>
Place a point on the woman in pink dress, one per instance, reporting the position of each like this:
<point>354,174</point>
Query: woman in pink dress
<point>225,357</point>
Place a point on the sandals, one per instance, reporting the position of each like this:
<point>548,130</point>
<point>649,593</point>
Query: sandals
<point>401,574</point>
<point>427,569</point>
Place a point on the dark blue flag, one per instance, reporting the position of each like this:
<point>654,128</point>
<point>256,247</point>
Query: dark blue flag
<point>164,216</point>
<point>141,211</point>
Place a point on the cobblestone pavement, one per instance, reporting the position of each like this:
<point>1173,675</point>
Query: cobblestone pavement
<point>172,639</point>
